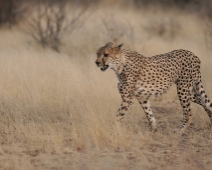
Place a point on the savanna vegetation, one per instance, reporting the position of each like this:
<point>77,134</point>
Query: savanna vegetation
<point>57,107</point>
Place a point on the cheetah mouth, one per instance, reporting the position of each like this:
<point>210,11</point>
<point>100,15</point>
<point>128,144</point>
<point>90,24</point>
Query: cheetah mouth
<point>105,67</point>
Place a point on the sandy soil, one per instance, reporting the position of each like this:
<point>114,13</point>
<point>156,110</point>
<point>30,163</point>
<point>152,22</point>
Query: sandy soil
<point>57,108</point>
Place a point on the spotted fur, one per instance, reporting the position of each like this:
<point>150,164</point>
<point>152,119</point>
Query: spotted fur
<point>142,77</point>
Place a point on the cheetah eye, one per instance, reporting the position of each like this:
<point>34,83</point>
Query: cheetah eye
<point>105,55</point>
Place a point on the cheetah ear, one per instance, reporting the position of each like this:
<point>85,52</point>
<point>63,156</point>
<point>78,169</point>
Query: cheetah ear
<point>119,46</point>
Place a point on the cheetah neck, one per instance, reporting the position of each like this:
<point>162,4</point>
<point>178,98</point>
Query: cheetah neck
<point>130,60</point>
<point>119,64</point>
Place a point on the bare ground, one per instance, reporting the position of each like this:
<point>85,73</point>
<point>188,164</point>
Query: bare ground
<point>57,108</point>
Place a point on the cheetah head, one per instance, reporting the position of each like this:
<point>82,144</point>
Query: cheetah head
<point>108,56</point>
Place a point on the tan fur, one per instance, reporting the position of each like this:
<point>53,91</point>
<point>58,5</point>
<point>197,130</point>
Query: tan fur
<point>142,77</point>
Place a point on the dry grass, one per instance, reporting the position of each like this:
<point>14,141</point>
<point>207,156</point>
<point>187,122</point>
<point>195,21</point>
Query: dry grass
<point>57,108</point>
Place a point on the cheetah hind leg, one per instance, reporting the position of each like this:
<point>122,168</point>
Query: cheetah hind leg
<point>184,97</point>
<point>199,96</point>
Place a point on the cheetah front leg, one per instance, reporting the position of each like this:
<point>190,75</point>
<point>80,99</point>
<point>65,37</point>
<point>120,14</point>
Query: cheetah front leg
<point>145,104</point>
<point>126,95</point>
<point>126,102</point>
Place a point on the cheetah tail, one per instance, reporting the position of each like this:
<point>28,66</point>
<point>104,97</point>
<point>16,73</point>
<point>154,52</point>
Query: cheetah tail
<point>205,102</point>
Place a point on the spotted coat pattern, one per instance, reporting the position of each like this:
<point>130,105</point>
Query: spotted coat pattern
<point>142,77</point>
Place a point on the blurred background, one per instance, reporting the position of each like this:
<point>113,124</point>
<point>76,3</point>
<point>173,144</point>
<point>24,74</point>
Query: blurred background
<point>57,107</point>
<point>56,23</point>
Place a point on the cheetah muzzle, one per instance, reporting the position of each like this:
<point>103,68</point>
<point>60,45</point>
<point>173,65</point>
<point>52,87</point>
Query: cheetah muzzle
<point>142,77</point>
<point>105,67</point>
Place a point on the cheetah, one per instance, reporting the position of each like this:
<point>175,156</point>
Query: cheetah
<point>142,77</point>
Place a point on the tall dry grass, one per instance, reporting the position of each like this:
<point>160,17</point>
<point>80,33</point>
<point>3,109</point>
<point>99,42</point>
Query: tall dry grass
<point>57,108</point>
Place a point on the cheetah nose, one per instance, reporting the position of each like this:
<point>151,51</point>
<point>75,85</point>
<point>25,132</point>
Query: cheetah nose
<point>97,63</point>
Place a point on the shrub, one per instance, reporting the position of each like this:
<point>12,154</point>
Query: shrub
<point>52,18</point>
